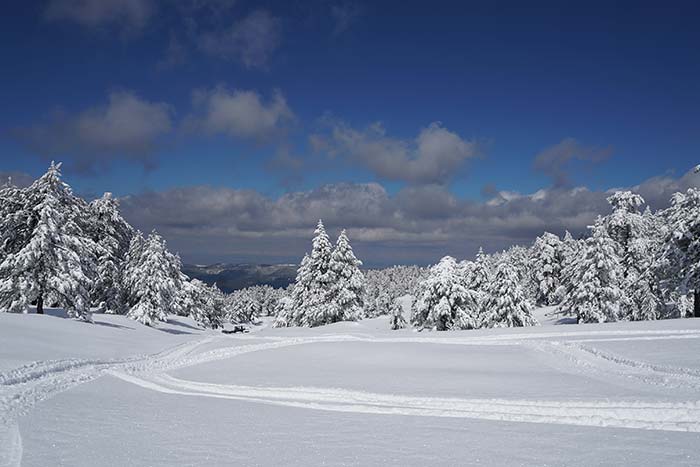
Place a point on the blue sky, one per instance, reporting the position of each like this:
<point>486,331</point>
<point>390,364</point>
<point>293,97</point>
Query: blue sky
<point>145,97</point>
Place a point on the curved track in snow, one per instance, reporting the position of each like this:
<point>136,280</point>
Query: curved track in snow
<point>666,416</point>
<point>24,387</point>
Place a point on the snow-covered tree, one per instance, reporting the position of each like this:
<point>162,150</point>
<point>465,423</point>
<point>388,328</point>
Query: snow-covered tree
<point>520,258</point>
<point>481,273</point>
<point>396,317</point>
<point>112,234</point>
<point>597,277</point>
<point>154,280</point>
<point>546,256</point>
<point>680,257</point>
<point>443,302</point>
<point>383,286</point>
<point>202,303</point>
<point>347,288</point>
<point>571,251</point>
<point>311,296</point>
<point>51,259</point>
<point>505,304</point>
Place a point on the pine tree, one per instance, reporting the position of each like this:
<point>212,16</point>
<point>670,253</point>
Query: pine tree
<point>505,304</point>
<point>113,236</point>
<point>679,263</point>
<point>597,277</point>
<point>481,273</point>
<point>443,302</point>
<point>347,288</point>
<point>51,259</point>
<point>202,303</point>
<point>396,317</point>
<point>546,259</point>
<point>154,279</point>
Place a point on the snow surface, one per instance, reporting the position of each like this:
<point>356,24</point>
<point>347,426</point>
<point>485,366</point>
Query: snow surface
<point>120,393</point>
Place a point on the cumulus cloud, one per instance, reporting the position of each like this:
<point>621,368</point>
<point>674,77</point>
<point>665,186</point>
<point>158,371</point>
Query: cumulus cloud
<point>250,40</point>
<point>419,224</point>
<point>131,14</point>
<point>431,158</point>
<point>240,114</point>
<point>555,161</point>
<point>657,191</point>
<point>127,127</point>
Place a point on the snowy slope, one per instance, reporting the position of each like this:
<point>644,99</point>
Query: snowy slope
<point>120,393</point>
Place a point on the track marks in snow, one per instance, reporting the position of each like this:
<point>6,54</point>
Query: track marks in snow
<point>24,387</point>
<point>666,416</point>
<point>594,362</point>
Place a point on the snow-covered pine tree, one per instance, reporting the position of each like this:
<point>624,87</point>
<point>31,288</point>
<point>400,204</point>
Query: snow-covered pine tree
<point>154,280</point>
<point>572,250</point>
<point>396,318</point>
<point>680,257</point>
<point>347,288</point>
<point>55,262</point>
<point>596,294</point>
<point>318,305</point>
<point>112,234</point>
<point>14,219</point>
<point>293,313</point>
<point>481,273</point>
<point>201,303</point>
<point>443,302</point>
<point>520,258</point>
<point>311,298</point>
<point>546,256</point>
<point>625,224</point>
<point>505,304</point>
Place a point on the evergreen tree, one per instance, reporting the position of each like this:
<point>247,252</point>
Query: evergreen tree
<point>154,280</point>
<point>546,256</point>
<point>202,303</point>
<point>443,302</point>
<point>505,304</point>
<point>347,289</point>
<point>680,257</point>
<point>396,318</point>
<point>481,273</point>
<point>113,236</point>
<point>596,294</point>
<point>572,250</point>
<point>51,260</point>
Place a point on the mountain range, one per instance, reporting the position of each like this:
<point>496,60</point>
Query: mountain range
<point>230,277</point>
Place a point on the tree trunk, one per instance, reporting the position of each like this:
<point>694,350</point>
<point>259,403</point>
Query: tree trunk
<point>40,305</point>
<point>696,303</point>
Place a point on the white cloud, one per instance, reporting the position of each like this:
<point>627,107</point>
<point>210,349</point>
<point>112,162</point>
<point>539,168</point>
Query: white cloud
<point>433,157</point>
<point>127,126</point>
<point>240,114</point>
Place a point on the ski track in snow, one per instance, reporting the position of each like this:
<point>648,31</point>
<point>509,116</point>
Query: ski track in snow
<point>666,416</point>
<point>22,388</point>
<point>594,362</point>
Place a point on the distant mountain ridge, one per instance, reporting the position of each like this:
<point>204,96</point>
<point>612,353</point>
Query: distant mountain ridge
<point>230,277</point>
